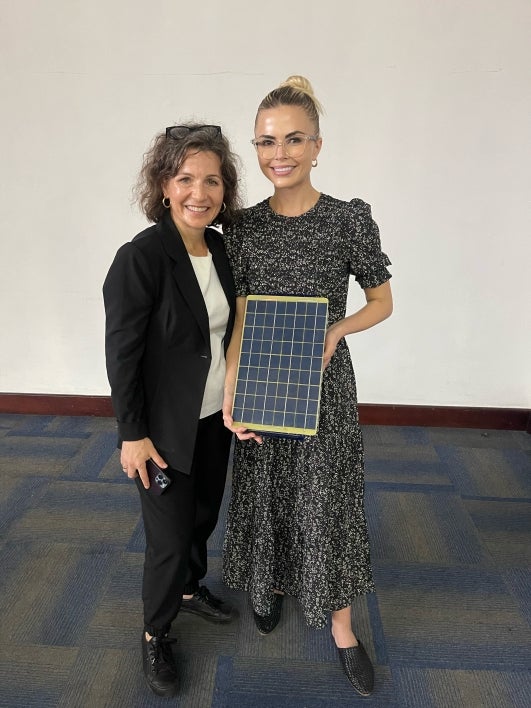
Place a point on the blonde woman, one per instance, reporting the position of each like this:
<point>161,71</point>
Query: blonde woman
<point>296,521</point>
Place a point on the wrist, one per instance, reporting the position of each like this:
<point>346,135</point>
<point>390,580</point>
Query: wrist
<point>335,332</point>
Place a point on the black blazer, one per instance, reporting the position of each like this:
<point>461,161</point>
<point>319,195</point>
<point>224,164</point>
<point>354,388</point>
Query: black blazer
<point>157,339</point>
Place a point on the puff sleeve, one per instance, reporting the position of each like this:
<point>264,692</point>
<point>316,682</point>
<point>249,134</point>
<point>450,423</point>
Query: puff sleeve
<point>368,263</point>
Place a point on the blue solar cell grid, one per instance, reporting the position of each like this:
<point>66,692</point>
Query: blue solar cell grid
<point>278,384</point>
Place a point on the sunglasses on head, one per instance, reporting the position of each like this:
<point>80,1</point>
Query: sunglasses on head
<point>178,132</point>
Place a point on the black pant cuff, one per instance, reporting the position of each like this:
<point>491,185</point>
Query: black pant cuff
<point>157,631</point>
<point>191,588</point>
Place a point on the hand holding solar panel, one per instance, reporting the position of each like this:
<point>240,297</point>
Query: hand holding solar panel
<point>278,383</point>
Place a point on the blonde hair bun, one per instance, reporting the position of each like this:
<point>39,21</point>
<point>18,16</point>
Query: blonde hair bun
<point>294,91</point>
<point>301,83</point>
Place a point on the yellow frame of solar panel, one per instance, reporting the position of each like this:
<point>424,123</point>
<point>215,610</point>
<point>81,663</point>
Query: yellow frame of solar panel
<point>312,377</point>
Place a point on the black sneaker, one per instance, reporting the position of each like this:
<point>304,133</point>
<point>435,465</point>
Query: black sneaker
<point>159,665</point>
<point>211,608</point>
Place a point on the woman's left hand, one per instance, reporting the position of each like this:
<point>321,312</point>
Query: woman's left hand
<point>379,306</point>
<point>330,345</point>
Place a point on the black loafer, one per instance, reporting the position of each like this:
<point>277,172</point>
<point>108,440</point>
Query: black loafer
<point>358,668</point>
<point>211,608</point>
<point>267,623</point>
<point>159,665</point>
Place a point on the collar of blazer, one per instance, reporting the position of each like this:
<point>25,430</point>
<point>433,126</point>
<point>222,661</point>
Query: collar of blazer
<point>184,274</point>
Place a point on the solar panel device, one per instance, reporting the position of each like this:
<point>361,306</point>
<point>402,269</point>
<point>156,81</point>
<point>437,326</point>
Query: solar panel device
<point>278,383</point>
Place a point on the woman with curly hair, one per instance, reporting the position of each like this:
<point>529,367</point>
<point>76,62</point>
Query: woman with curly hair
<point>170,303</point>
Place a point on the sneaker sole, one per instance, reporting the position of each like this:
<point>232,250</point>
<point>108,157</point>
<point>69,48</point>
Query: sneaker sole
<point>163,694</point>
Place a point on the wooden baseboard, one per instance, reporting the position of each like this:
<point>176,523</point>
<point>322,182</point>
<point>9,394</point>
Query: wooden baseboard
<point>55,404</point>
<point>446,416</point>
<point>370,413</point>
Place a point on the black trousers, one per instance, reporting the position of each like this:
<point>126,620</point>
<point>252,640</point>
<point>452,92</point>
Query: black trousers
<point>178,524</point>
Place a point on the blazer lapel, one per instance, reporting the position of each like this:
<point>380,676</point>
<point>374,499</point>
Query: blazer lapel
<point>184,275</point>
<point>221,264</point>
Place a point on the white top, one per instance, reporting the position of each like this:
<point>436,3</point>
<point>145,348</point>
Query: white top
<point>218,315</point>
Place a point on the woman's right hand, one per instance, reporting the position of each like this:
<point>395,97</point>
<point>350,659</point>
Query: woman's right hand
<point>240,432</point>
<point>133,458</point>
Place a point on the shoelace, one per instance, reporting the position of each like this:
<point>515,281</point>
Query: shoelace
<point>204,594</point>
<point>161,654</point>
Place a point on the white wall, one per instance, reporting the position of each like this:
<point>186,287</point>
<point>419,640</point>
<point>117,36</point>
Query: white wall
<point>428,115</point>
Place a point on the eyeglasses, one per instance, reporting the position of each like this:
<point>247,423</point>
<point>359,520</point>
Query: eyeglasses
<point>178,132</point>
<point>293,145</point>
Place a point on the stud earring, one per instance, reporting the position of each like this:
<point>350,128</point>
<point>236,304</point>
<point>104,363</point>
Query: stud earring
<point>314,163</point>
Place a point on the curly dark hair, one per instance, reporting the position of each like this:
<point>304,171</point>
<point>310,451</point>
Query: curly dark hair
<point>163,161</point>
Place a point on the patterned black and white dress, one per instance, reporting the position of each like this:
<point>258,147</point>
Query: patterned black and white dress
<point>296,520</point>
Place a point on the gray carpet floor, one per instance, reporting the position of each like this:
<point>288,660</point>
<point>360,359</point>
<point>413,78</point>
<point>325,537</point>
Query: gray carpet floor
<point>449,512</point>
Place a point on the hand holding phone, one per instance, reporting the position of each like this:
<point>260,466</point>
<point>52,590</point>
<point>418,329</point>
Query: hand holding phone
<point>158,479</point>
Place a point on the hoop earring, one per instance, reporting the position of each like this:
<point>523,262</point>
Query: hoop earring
<point>166,202</point>
<point>223,208</point>
<point>314,163</point>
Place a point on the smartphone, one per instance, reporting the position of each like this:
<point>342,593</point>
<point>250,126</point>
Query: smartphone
<point>158,479</point>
